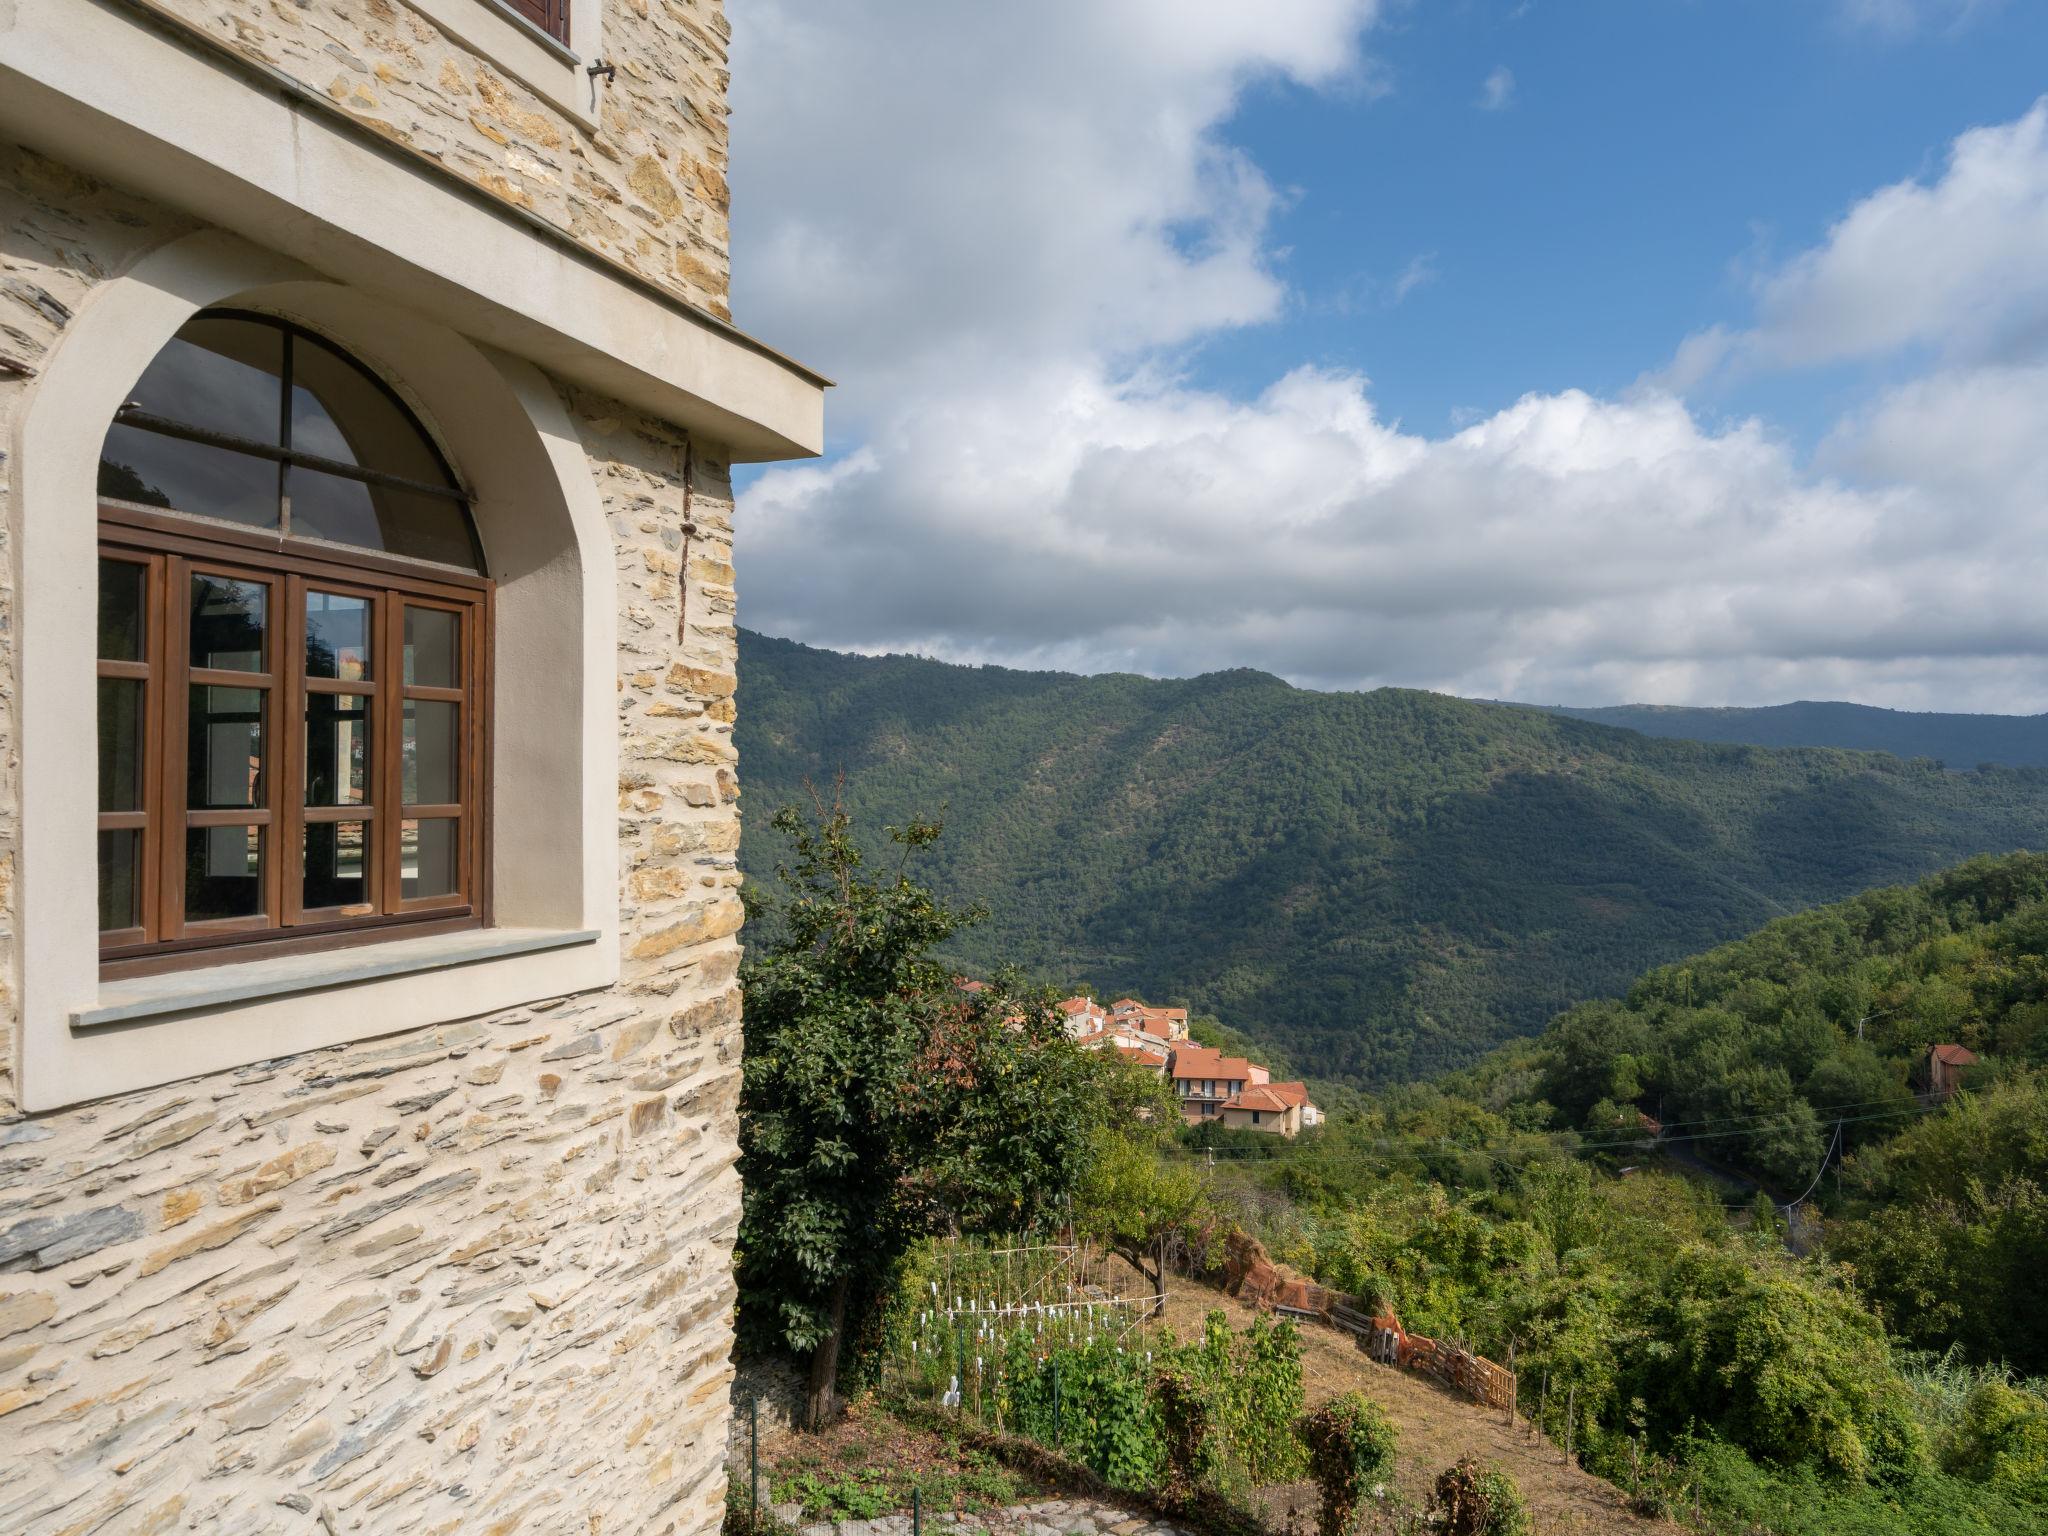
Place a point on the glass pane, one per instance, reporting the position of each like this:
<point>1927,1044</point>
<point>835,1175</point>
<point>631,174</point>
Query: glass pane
<point>223,872</point>
<point>123,607</point>
<point>224,749</point>
<point>431,755</point>
<point>161,471</point>
<point>121,745</point>
<point>339,412</point>
<point>120,880</point>
<point>431,639</point>
<point>337,866</point>
<point>224,375</point>
<point>376,517</point>
<point>337,636</point>
<point>337,749</point>
<point>427,854</point>
<point>227,623</point>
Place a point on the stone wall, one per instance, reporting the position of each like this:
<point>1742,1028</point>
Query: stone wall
<point>646,187</point>
<point>471,1278</point>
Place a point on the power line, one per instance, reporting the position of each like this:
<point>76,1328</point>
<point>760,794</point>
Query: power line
<point>1294,1152</point>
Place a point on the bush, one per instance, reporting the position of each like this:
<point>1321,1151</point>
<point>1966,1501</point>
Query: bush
<point>2003,1440</point>
<point>1184,1417</point>
<point>1471,1500</point>
<point>1252,1382</point>
<point>1350,1444</point>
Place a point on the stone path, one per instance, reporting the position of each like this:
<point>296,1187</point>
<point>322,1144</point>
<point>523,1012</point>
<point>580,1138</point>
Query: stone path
<point>1046,1517</point>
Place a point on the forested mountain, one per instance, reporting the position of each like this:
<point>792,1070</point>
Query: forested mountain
<point>1386,884</point>
<point>1959,741</point>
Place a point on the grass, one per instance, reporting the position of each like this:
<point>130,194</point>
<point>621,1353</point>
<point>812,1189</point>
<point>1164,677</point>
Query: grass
<point>863,1493</point>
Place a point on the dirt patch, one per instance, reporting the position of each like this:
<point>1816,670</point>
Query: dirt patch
<point>1436,1428</point>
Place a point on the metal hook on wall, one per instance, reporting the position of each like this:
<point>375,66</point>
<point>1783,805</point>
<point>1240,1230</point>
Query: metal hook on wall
<point>687,467</point>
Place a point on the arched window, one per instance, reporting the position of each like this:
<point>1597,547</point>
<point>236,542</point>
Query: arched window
<point>293,658</point>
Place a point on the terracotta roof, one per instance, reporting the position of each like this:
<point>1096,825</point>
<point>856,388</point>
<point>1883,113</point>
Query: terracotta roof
<point>1200,1061</point>
<point>1079,1005</point>
<point>1261,1096</point>
<point>1288,1093</point>
<point>1955,1055</point>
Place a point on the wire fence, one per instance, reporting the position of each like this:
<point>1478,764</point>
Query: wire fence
<point>988,1316</point>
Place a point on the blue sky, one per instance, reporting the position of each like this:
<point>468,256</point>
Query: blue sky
<point>1651,155</point>
<point>1614,350</point>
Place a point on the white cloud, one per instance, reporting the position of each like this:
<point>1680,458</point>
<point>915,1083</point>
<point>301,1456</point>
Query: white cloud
<point>928,189</point>
<point>1564,549</point>
<point>1498,91</point>
<point>999,226</point>
<point>1902,18</point>
<point>1953,267</point>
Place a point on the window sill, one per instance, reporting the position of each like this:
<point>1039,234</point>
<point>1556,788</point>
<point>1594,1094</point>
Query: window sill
<point>134,999</point>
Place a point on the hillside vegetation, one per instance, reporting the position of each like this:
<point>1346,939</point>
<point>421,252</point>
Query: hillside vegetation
<point>1960,741</point>
<point>1383,885</point>
<point>1874,1367</point>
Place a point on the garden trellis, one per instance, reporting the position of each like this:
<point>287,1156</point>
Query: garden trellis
<point>978,1314</point>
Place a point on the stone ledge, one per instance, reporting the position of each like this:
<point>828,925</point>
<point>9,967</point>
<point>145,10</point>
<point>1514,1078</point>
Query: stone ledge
<point>148,997</point>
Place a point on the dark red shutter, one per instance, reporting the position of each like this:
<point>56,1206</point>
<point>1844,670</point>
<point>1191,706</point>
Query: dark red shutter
<point>551,16</point>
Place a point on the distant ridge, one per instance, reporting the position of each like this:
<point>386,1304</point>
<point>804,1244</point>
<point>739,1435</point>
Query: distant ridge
<point>1957,741</point>
<point>1377,885</point>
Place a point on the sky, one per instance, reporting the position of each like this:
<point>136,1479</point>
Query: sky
<point>1570,351</point>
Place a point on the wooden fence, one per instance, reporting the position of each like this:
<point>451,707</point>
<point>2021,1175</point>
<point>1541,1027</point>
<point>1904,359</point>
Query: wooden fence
<point>1252,1276</point>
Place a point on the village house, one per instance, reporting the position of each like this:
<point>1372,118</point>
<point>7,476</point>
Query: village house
<point>369,1078</point>
<point>1211,1087</point>
<point>1280,1108</point>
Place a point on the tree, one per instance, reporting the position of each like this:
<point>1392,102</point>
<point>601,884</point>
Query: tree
<point>881,1101</point>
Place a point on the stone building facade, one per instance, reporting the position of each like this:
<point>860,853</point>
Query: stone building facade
<point>429,1228</point>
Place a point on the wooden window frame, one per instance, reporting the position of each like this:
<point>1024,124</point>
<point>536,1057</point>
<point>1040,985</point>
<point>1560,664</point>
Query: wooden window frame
<point>172,547</point>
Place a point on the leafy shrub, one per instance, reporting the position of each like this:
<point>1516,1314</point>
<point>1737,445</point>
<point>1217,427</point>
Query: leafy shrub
<point>1350,1444</point>
<point>2003,1440</point>
<point>1253,1384</point>
<point>1471,1500</point>
<point>1185,1418</point>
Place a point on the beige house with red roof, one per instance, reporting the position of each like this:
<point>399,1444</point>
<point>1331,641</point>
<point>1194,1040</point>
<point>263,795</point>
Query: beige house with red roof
<point>1277,1108</point>
<point>1211,1087</point>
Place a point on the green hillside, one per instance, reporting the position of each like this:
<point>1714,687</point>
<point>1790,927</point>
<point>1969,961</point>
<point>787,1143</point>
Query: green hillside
<point>1959,741</point>
<point>1871,1364</point>
<point>1386,884</point>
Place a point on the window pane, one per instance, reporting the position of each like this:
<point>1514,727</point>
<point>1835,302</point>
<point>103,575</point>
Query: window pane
<point>223,873</point>
<point>432,636</point>
<point>337,749</point>
<point>224,749</point>
<point>339,412</point>
<point>161,471</point>
<point>337,636</point>
<point>337,866</point>
<point>427,857</point>
<point>121,744</point>
<point>227,623</point>
<point>224,375</point>
<point>123,606</point>
<point>375,517</point>
<point>431,760</point>
<point>120,880</point>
